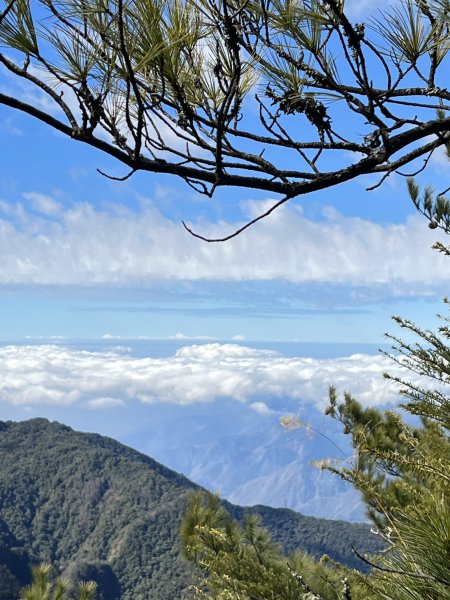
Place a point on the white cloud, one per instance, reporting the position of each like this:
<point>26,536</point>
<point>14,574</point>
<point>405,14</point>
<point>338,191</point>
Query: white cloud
<point>43,203</point>
<point>182,336</point>
<point>261,408</point>
<point>102,403</point>
<point>49,337</point>
<point>83,245</point>
<point>37,375</point>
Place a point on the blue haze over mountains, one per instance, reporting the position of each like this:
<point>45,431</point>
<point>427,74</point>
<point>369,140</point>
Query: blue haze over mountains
<point>249,459</point>
<point>224,445</point>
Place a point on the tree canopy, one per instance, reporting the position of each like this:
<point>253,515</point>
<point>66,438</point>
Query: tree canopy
<point>285,96</point>
<point>243,563</point>
<point>100,511</point>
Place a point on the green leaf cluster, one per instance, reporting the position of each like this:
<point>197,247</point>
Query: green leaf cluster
<point>242,562</point>
<point>402,467</point>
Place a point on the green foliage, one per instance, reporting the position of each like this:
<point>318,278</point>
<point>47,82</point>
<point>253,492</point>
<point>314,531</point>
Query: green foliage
<point>43,588</point>
<point>402,467</point>
<point>434,206</point>
<point>92,508</point>
<point>430,358</point>
<point>242,562</point>
<point>393,461</point>
<point>101,573</point>
<point>293,531</point>
<point>97,510</point>
<point>407,34</point>
<point>417,566</point>
<point>10,585</point>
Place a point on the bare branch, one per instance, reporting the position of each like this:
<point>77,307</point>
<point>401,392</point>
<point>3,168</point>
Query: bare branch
<point>400,572</point>
<point>241,229</point>
<point>113,178</point>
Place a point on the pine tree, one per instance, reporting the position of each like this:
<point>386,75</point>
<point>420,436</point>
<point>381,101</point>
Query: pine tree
<point>170,86</point>
<point>401,466</point>
<point>243,563</point>
<point>43,588</point>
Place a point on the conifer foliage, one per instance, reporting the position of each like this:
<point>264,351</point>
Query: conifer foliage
<point>243,563</point>
<point>402,467</point>
<point>284,96</point>
<point>43,588</point>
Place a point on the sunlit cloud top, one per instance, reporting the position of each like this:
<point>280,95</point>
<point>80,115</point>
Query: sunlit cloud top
<point>40,375</point>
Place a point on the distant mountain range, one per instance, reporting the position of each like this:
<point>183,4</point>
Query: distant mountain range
<point>97,509</point>
<point>248,458</point>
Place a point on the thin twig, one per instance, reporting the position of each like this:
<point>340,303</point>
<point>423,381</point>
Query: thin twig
<point>241,229</point>
<point>399,571</point>
<point>124,178</point>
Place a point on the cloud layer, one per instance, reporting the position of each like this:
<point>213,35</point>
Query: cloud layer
<point>42,242</point>
<point>38,375</point>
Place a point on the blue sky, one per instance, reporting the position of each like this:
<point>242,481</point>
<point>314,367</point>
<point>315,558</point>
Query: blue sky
<point>114,319</point>
<point>86,258</point>
<point>83,256</point>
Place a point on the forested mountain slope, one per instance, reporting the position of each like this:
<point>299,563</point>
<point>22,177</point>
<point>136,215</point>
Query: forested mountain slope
<point>97,509</point>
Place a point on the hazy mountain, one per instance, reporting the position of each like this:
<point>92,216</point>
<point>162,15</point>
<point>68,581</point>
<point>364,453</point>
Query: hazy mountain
<point>248,458</point>
<point>97,509</point>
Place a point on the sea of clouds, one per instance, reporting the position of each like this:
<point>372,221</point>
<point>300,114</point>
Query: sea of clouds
<point>52,374</point>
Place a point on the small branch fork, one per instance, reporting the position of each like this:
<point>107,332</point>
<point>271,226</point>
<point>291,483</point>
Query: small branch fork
<point>180,112</point>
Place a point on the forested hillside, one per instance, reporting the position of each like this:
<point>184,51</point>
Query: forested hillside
<point>99,510</point>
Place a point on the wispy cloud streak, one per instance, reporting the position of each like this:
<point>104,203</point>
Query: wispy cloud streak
<point>42,243</point>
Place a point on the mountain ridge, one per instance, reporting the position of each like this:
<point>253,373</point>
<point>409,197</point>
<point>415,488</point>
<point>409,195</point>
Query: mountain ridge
<point>96,508</point>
